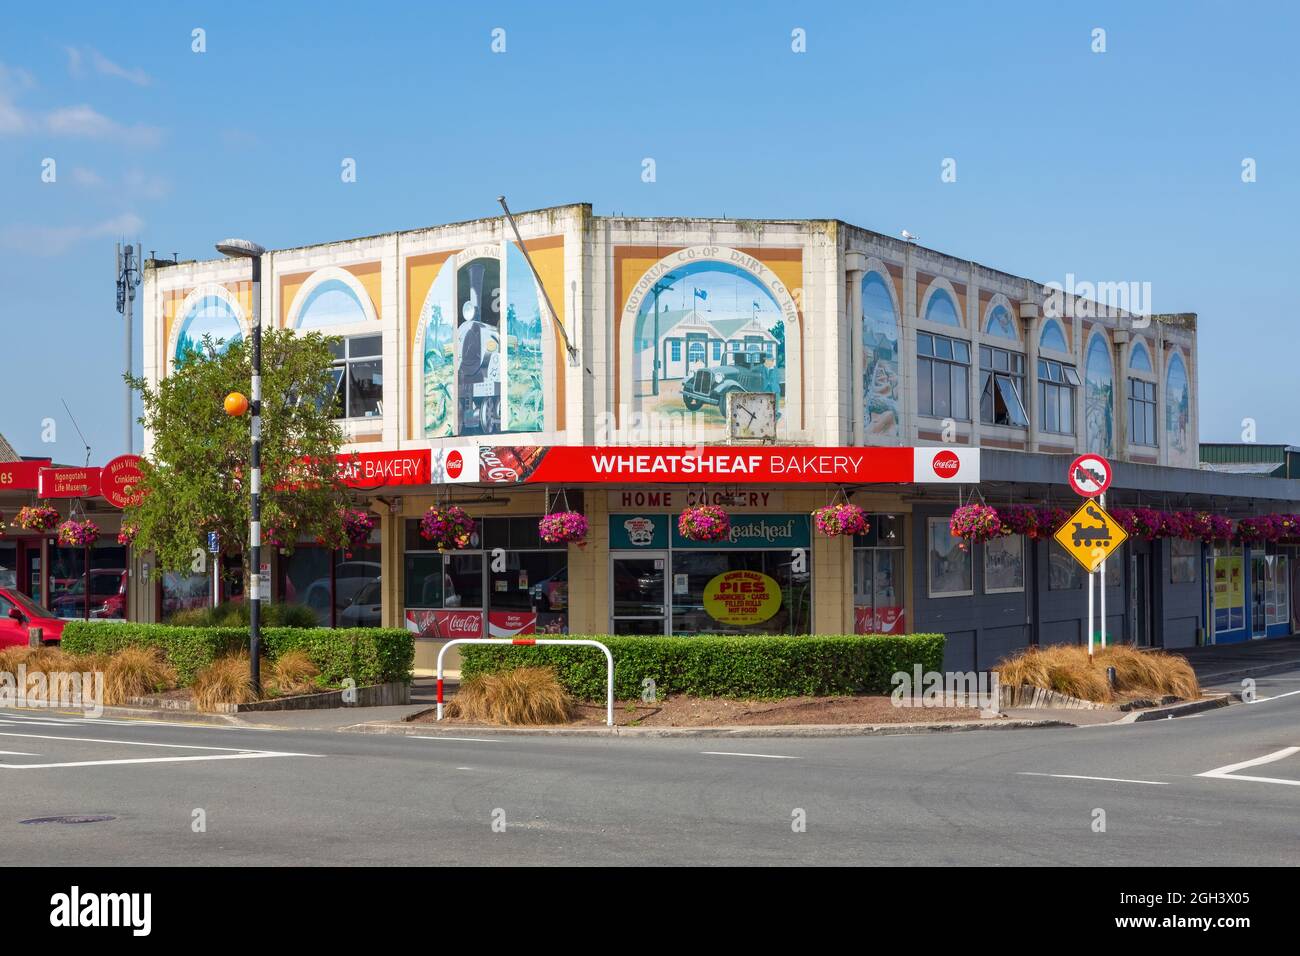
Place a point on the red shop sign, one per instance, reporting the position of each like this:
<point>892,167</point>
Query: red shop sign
<point>68,483</point>
<point>377,469</point>
<point>21,475</point>
<point>119,479</point>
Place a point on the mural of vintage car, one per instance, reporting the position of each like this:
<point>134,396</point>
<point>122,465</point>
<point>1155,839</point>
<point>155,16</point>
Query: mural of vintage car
<point>744,372</point>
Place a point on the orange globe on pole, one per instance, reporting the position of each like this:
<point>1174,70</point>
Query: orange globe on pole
<point>236,404</point>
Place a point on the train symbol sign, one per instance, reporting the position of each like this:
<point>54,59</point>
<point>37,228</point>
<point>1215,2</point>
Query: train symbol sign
<point>1089,475</point>
<point>1090,535</point>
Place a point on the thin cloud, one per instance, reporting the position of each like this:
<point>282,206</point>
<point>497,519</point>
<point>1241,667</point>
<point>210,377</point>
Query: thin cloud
<point>86,122</point>
<point>56,240</point>
<point>103,66</point>
<point>86,177</point>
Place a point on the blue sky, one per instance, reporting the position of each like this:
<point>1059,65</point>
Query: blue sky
<point>1124,165</point>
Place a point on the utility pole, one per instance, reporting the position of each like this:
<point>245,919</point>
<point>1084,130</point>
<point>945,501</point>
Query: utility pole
<point>128,280</point>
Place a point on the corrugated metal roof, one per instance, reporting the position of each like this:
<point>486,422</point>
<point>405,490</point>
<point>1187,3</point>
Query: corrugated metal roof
<point>7,452</point>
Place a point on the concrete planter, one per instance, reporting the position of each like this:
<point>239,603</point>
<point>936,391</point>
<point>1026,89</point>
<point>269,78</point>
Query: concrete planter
<point>374,695</point>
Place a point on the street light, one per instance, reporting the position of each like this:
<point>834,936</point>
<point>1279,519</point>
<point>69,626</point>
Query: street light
<point>243,249</point>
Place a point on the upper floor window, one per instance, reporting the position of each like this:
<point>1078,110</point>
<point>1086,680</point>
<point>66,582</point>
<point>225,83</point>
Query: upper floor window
<point>1001,324</point>
<point>940,309</point>
<point>358,376</point>
<point>1139,359</point>
<point>1002,383</point>
<point>1142,412</point>
<point>1056,396</point>
<point>942,376</point>
<point>1052,337</point>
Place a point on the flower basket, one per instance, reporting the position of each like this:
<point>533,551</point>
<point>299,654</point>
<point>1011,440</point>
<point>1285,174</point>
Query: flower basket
<point>563,527</point>
<point>127,535</point>
<point>1021,519</point>
<point>448,528</point>
<point>36,518</point>
<point>842,518</point>
<point>1258,529</point>
<point>704,523</point>
<point>78,534</point>
<point>357,526</point>
<point>974,523</point>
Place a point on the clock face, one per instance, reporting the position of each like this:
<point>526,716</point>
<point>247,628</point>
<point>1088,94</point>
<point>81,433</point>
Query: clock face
<point>752,415</point>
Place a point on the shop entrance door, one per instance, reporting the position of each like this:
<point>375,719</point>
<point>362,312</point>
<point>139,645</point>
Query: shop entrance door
<point>638,592</point>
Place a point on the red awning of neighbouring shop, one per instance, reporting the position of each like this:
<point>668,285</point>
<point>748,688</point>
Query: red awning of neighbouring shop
<point>569,464</point>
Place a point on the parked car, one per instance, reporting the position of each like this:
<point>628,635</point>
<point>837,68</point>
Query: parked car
<point>365,609</point>
<point>107,595</point>
<point>744,372</point>
<point>349,578</point>
<point>18,612</point>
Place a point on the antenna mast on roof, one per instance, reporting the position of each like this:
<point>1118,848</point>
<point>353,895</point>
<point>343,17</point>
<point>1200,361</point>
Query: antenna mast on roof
<point>78,428</point>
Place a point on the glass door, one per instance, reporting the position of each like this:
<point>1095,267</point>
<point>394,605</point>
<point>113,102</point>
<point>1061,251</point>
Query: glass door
<point>1258,595</point>
<point>638,595</point>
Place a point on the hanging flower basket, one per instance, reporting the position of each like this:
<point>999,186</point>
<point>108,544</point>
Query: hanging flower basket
<point>563,527</point>
<point>357,526</point>
<point>78,534</point>
<point>448,528</point>
<point>842,518</point>
<point>1258,529</point>
<point>127,535</point>
<point>36,518</point>
<point>1021,519</point>
<point>704,523</point>
<point>974,523</point>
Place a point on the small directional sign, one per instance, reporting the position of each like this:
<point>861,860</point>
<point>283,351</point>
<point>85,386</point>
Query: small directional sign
<point>214,542</point>
<point>1090,535</point>
<point>1089,475</point>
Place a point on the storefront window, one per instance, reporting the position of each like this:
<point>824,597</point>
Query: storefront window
<point>1004,564</point>
<point>89,582</point>
<point>184,592</point>
<point>1183,557</point>
<point>343,589</point>
<point>949,565</point>
<point>878,577</point>
<point>1229,590</point>
<point>8,564</point>
<point>739,592</point>
<point>1064,573</point>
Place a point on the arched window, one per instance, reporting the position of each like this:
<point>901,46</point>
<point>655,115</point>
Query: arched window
<point>880,379</point>
<point>1053,337</point>
<point>1001,324</point>
<point>941,309</point>
<point>1099,397</point>
<point>331,303</point>
<point>212,323</point>
<point>1140,359</point>
<point>1178,404</point>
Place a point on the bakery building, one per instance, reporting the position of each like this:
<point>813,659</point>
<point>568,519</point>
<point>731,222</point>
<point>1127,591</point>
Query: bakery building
<point>630,368</point>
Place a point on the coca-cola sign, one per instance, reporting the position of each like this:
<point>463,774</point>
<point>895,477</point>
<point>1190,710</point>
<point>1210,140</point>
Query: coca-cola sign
<point>444,625</point>
<point>946,464</point>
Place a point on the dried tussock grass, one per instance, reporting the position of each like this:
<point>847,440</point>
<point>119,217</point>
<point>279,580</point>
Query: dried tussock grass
<point>224,681</point>
<point>294,673</point>
<point>525,696</point>
<point>136,672</point>
<point>1067,670</point>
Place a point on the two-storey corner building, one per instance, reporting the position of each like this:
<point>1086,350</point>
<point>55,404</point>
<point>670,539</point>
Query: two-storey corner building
<point>629,368</point>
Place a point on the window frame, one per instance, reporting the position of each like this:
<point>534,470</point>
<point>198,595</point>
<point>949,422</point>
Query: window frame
<point>1057,386</point>
<point>343,364</point>
<point>943,523</point>
<point>1148,403</point>
<point>1019,589</point>
<point>993,378</point>
<point>948,362</point>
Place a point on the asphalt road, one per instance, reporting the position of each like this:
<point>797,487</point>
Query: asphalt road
<point>997,798</point>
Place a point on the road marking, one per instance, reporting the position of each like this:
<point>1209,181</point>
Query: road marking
<point>1077,776</point>
<point>1260,700</point>
<point>1228,772</point>
<point>475,740</point>
<point>16,753</point>
<point>728,753</point>
<point>114,763</point>
<point>125,743</point>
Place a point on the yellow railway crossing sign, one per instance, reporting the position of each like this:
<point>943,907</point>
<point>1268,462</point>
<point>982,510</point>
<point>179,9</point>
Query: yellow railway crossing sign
<point>1090,535</point>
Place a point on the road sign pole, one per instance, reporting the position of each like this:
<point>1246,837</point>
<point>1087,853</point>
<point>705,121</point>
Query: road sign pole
<point>1102,629</point>
<point>1091,575</point>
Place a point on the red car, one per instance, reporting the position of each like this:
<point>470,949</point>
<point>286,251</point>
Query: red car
<point>18,612</point>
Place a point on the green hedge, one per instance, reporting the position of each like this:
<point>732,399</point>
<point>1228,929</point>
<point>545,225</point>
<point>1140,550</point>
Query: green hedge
<point>749,666</point>
<point>368,655</point>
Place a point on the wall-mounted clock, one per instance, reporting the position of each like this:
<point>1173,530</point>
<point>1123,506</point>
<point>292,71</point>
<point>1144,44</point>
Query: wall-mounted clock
<point>751,415</point>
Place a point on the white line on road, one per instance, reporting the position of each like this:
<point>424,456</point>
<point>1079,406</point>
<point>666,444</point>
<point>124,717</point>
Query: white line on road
<point>124,743</point>
<point>728,753</point>
<point>1228,772</point>
<point>1076,776</point>
<point>113,763</point>
<point>1260,700</point>
<point>475,740</point>
<point>16,753</point>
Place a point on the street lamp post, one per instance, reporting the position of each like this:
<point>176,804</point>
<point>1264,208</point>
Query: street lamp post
<point>243,249</point>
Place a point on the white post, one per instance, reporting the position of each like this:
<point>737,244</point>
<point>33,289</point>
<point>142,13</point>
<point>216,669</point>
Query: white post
<point>1091,575</point>
<point>1102,630</point>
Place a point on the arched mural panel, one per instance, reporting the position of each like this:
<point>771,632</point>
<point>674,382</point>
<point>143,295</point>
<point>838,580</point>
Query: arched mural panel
<point>1178,404</point>
<point>880,376</point>
<point>1099,397</point>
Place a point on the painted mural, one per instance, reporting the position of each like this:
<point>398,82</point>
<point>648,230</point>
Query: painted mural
<point>1099,397</point>
<point>331,303</point>
<point>880,379</point>
<point>482,372</point>
<point>1178,404</point>
<point>210,323</point>
<point>702,330</point>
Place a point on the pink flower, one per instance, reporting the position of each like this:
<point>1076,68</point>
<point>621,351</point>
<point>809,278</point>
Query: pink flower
<point>974,523</point>
<point>704,523</point>
<point>841,519</point>
<point>561,527</point>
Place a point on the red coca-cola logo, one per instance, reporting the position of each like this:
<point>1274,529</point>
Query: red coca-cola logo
<point>455,464</point>
<point>946,464</point>
<point>470,624</point>
<point>497,470</point>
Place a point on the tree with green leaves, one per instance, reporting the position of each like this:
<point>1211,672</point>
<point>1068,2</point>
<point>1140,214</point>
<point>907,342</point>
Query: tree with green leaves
<point>194,477</point>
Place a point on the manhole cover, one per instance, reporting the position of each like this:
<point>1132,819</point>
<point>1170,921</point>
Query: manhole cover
<point>72,818</point>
